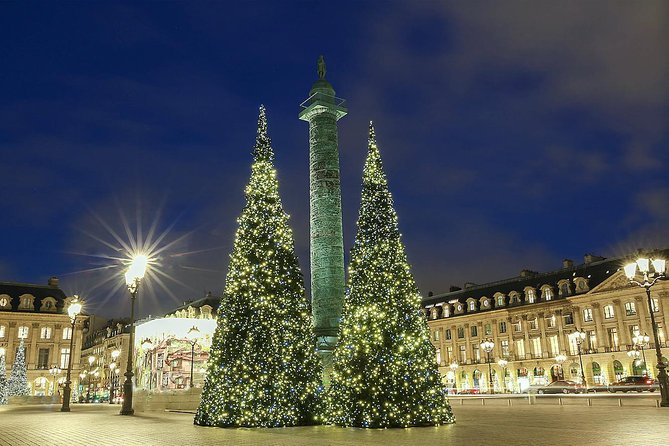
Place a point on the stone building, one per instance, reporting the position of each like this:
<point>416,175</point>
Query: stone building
<point>529,319</point>
<point>38,314</point>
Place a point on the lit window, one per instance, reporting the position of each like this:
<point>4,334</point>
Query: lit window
<point>550,321</point>
<point>608,312</point>
<point>531,295</point>
<point>436,335</point>
<point>23,332</point>
<point>502,327</point>
<point>505,348</point>
<point>64,357</point>
<point>568,319</point>
<point>488,329</point>
<point>45,333</point>
<point>520,348</point>
<point>463,354</point>
<point>474,330</point>
<point>656,305</point>
<point>630,309</point>
<point>500,301</point>
<point>438,356</point>
<point>461,332</point>
<point>448,334</point>
<point>533,324</point>
<point>472,306</point>
<point>547,293</point>
<point>587,315</point>
<point>67,333</point>
<point>2,331</point>
<point>517,327</point>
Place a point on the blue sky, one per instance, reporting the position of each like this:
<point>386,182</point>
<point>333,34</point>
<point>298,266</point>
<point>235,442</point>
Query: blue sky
<point>514,135</point>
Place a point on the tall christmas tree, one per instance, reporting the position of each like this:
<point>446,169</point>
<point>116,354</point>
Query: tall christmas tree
<point>385,369</point>
<point>18,379</point>
<point>3,379</point>
<point>263,369</point>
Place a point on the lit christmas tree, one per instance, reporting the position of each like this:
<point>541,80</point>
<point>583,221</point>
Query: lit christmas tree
<point>385,369</point>
<point>3,380</point>
<point>18,380</point>
<point>264,369</point>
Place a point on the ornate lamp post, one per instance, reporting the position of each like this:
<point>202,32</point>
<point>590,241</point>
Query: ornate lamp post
<point>53,371</point>
<point>560,360</point>
<point>578,336</point>
<point>650,271</point>
<point>487,347</point>
<point>192,336</point>
<point>133,277</point>
<point>503,363</point>
<point>113,373</point>
<point>73,311</point>
<point>640,341</point>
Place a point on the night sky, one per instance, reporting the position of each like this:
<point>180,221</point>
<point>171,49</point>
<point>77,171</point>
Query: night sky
<point>514,134</point>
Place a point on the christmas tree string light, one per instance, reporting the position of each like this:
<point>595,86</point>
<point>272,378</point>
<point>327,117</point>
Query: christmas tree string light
<point>18,379</point>
<point>385,371</point>
<point>263,370</point>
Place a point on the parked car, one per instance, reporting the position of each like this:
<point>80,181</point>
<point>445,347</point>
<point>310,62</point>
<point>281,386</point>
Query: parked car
<point>596,388</point>
<point>562,387</point>
<point>473,391</point>
<point>634,383</point>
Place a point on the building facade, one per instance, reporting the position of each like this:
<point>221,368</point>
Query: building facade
<point>103,362</point>
<point>529,319</point>
<point>38,314</point>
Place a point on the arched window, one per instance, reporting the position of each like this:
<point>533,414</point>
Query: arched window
<point>596,373</point>
<point>499,299</point>
<point>530,295</point>
<point>546,292</point>
<point>477,378</point>
<point>472,305</point>
<point>618,370</point>
<point>3,331</point>
<point>563,286</point>
<point>638,367</point>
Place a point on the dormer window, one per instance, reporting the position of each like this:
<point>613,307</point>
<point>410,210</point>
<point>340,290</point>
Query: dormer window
<point>499,299</point>
<point>546,292</point>
<point>530,295</point>
<point>563,286</point>
<point>472,306</point>
<point>514,296</point>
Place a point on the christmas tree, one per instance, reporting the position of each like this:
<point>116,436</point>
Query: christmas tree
<point>18,380</point>
<point>264,369</point>
<point>3,379</point>
<point>385,370</point>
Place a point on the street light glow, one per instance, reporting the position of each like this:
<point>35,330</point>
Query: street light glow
<point>137,269</point>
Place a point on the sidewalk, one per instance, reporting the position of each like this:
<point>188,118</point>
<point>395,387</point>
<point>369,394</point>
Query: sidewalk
<point>100,424</point>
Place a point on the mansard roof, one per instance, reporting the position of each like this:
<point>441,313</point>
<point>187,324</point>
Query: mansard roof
<point>595,272</point>
<point>15,290</point>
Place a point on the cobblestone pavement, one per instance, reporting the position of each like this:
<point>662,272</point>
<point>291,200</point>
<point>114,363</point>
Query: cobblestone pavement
<point>100,425</point>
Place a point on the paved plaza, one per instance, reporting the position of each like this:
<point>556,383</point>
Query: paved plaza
<point>519,425</point>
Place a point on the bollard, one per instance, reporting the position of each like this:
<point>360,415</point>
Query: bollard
<point>482,401</point>
<point>620,402</point>
<point>560,401</point>
<point>589,401</point>
<point>509,401</point>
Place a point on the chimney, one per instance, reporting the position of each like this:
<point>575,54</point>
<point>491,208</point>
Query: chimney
<point>453,288</point>
<point>590,258</point>
<point>430,294</point>
<point>567,264</point>
<point>528,273</point>
<point>53,281</point>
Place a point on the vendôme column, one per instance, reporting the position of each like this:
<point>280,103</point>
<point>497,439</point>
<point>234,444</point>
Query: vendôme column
<point>322,109</point>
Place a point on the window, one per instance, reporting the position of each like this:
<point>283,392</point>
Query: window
<point>568,319</point>
<point>488,329</point>
<point>448,334</point>
<point>438,356</point>
<point>472,306</point>
<point>634,330</point>
<point>67,333</point>
<point>533,324</point>
<point>660,332</point>
<point>436,335</point>
<point>474,330</point>
<point>613,338</point>
<point>536,347</point>
<point>550,321</point>
<point>553,345</point>
<point>592,340</point>
<point>43,358</point>
<point>500,301</point>
<point>502,327</point>
<point>587,315</point>
<point>45,333</point>
<point>517,327</point>
<point>463,354</point>
<point>2,331</point>
<point>461,332</point>
<point>573,346</point>
<point>64,357</point>
<point>476,354</point>
<point>449,352</point>
<point>608,312</point>
<point>23,332</point>
<point>656,305</point>
<point>505,347</point>
<point>564,289</point>
<point>531,295</point>
<point>630,309</point>
<point>547,293</point>
<point>520,348</point>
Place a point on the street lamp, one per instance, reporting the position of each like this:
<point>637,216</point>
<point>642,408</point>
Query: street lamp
<point>560,359</point>
<point>192,336</point>
<point>133,276</point>
<point>646,279</point>
<point>487,347</point>
<point>72,310</point>
<point>578,336</point>
<point>113,372</point>
<point>503,363</point>
<point>53,371</point>
<point>640,341</point>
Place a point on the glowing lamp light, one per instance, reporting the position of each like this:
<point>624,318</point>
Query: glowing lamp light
<point>74,308</point>
<point>137,269</point>
<point>115,354</point>
<point>147,344</point>
<point>561,358</point>
<point>643,264</point>
<point>502,362</point>
<point>659,265</point>
<point>91,360</point>
<point>630,270</point>
<point>2,351</point>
